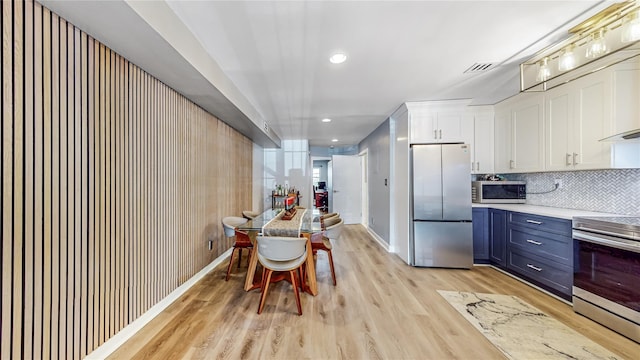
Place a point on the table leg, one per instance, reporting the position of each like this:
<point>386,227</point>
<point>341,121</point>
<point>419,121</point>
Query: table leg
<point>311,268</point>
<point>253,265</point>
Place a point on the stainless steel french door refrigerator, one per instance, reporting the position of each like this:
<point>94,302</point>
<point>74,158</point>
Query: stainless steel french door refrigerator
<point>441,206</point>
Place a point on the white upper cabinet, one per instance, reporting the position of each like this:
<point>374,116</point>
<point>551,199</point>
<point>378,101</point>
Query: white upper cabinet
<point>519,134</point>
<point>437,121</point>
<point>577,116</point>
<point>625,79</point>
<point>503,135</point>
<point>478,133</point>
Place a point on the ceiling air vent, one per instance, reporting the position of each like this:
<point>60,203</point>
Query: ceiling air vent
<point>478,67</point>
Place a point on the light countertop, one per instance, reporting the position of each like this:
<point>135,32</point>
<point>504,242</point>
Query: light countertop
<point>561,213</point>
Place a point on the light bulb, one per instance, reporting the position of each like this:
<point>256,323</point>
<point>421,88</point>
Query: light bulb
<point>631,28</point>
<point>597,46</point>
<point>338,58</point>
<point>567,61</point>
<point>544,73</point>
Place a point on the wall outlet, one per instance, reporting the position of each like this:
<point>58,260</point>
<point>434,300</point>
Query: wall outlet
<point>558,183</point>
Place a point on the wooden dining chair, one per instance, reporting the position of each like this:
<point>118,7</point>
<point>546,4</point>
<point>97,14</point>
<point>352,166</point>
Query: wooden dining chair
<point>331,229</point>
<point>277,253</point>
<point>250,215</point>
<point>324,217</point>
<point>241,240</point>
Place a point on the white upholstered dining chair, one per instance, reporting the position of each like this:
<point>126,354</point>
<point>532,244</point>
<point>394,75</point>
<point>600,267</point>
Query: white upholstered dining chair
<point>277,253</point>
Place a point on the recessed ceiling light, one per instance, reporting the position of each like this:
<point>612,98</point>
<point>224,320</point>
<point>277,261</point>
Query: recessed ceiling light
<point>338,58</point>
<point>326,120</point>
<point>334,140</point>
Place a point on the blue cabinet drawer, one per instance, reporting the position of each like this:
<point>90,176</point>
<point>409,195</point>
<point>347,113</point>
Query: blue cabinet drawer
<point>548,273</point>
<point>545,244</point>
<point>545,223</point>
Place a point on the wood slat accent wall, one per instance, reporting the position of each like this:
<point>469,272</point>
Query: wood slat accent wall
<point>112,184</point>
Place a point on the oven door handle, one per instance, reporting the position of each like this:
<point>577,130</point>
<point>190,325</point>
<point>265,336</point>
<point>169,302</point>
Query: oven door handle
<point>605,240</point>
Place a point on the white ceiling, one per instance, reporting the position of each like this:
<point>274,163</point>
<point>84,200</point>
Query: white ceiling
<point>276,54</point>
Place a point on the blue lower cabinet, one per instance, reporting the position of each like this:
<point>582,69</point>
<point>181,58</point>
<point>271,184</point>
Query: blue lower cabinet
<point>548,274</point>
<point>480,235</point>
<point>535,248</point>
<point>540,249</point>
<point>498,237</point>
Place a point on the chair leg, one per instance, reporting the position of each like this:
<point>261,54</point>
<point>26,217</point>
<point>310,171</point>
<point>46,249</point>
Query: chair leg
<point>303,276</point>
<point>266,280</point>
<point>239,257</point>
<point>333,272</point>
<point>233,252</point>
<point>249,257</point>
<point>295,290</point>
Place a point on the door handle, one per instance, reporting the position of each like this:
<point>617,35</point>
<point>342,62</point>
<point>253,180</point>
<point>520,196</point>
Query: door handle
<point>335,191</point>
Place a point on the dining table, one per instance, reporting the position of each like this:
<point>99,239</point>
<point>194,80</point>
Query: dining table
<point>270,221</point>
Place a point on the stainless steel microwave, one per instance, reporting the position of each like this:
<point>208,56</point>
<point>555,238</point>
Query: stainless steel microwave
<point>496,192</point>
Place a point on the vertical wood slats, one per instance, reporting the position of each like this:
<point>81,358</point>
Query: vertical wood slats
<point>111,185</point>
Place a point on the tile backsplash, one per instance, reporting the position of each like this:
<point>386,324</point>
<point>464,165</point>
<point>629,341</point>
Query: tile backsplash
<point>611,191</point>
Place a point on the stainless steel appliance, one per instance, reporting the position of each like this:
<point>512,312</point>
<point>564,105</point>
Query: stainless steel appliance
<point>606,280</point>
<point>499,192</point>
<point>441,206</point>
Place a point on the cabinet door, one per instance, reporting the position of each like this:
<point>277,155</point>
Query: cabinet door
<point>422,127</point>
<point>527,148</point>
<point>498,237</point>
<point>502,144</point>
<point>483,143</point>
<point>480,235</point>
<point>449,127</point>
<point>559,115</point>
<point>591,122</point>
<point>625,97</point>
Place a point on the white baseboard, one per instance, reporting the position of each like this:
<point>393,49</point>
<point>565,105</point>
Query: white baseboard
<point>111,345</point>
<point>378,239</point>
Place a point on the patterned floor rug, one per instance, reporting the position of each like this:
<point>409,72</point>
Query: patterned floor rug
<point>520,330</point>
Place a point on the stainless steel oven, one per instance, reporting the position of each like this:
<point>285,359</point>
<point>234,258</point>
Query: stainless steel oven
<point>606,277</point>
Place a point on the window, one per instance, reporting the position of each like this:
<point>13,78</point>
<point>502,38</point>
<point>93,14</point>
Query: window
<point>316,175</point>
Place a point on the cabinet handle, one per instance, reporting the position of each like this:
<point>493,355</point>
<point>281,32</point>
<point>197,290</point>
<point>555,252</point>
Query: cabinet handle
<point>473,166</point>
<point>534,242</point>
<point>575,157</point>
<point>440,132</point>
<point>534,222</point>
<point>534,267</point>
<point>512,164</point>
<point>435,134</point>
<point>478,166</point>
<point>568,162</point>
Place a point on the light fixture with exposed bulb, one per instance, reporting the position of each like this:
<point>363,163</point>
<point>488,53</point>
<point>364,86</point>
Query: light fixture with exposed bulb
<point>631,27</point>
<point>597,46</point>
<point>567,60</point>
<point>544,73</point>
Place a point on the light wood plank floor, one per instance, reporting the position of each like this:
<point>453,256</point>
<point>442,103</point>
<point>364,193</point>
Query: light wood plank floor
<point>380,309</point>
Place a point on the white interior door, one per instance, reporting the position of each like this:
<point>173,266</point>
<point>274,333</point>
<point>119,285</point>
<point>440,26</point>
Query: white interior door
<point>347,188</point>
